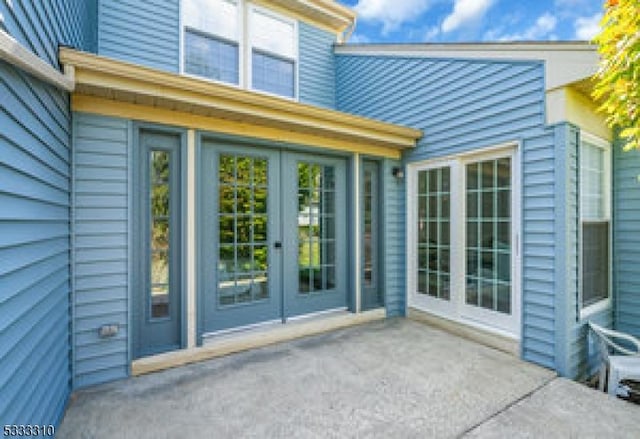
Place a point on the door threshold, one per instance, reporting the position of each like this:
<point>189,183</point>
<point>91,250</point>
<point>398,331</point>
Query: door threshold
<point>256,337</point>
<point>270,325</point>
<point>492,339</point>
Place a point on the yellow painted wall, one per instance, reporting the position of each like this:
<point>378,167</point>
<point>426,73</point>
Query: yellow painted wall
<point>568,104</point>
<point>582,111</point>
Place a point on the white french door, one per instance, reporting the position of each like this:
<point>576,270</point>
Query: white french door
<point>463,239</point>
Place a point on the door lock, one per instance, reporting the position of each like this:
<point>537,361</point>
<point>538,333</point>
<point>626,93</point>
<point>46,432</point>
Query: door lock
<point>277,244</point>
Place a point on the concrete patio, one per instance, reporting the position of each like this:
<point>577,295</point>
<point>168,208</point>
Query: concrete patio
<point>395,378</point>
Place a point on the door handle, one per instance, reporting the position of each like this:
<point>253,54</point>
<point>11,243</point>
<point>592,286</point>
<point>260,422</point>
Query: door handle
<point>277,244</point>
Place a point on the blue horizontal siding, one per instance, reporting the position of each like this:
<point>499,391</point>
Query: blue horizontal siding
<point>394,238</point>
<point>34,219</point>
<point>100,240</point>
<point>317,69</point>
<point>571,337</point>
<point>626,239</point>
<point>145,33</point>
<point>464,105</point>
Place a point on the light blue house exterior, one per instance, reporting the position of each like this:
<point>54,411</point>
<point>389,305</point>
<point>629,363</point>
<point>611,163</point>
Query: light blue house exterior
<point>164,183</point>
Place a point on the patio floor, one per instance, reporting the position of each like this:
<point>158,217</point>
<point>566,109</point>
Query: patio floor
<point>394,378</point>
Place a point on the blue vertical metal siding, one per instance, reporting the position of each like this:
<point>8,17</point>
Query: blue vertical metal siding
<point>100,247</point>
<point>34,218</point>
<point>317,70</point>
<point>145,33</point>
<point>462,105</point>
<point>626,238</point>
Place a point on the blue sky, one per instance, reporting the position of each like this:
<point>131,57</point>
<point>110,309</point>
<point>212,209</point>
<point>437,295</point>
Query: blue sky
<point>474,20</point>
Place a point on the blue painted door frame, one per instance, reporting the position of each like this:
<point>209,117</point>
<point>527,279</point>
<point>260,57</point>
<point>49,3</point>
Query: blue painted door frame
<point>157,292</point>
<point>330,292</point>
<point>237,311</point>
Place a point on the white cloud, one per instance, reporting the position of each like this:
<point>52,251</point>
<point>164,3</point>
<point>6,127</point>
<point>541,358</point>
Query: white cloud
<point>542,29</point>
<point>359,39</point>
<point>587,27</point>
<point>465,12</point>
<point>431,33</point>
<point>391,13</point>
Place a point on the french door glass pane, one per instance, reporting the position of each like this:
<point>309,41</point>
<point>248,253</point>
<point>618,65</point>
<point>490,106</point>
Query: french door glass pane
<point>242,227</point>
<point>316,228</point>
<point>159,198</point>
<point>370,235</point>
<point>488,230</point>
<point>434,239</point>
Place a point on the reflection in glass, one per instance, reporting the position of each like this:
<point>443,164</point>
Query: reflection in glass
<point>434,210</point>
<point>243,229</point>
<point>370,233</point>
<point>488,229</point>
<point>316,228</point>
<point>159,239</point>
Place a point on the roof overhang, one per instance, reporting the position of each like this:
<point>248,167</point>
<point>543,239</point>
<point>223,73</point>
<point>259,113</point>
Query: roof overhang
<point>566,62</point>
<point>325,13</point>
<point>116,88</point>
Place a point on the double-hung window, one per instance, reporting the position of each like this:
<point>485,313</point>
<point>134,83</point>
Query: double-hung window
<point>595,213</point>
<point>273,53</point>
<point>235,42</point>
<point>212,39</point>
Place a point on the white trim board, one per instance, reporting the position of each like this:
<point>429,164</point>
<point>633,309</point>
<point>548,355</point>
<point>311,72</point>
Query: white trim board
<point>565,62</point>
<point>16,54</point>
<point>253,339</point>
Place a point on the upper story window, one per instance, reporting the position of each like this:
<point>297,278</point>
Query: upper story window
<point>595,212</point>
<point>212,40</point>
<point>218,45</point>
<point>273,54</point>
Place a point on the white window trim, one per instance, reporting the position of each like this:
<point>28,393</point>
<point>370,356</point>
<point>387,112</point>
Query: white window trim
<point>604,304</point>
<point>296,61</point>
<point>454,309</point>
<point>245,8</point>
<point>241,48</point>
<point>422,301</point>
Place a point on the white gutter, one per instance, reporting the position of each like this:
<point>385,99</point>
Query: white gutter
<point>16,54</point>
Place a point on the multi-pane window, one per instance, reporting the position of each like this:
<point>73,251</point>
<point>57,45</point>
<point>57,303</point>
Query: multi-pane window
<point>488,246</point>
<point>273,54</point>
<point>370,200</point>
<point>211,40</point>
<point>434,239</point>
<point>595,220</point>
<point>316,228</point>
<point>214,35</point>
<point>463,238</point>
<point>242,225</point>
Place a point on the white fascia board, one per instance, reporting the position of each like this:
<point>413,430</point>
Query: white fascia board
<point>16,54</point>
<point>565,62</point>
